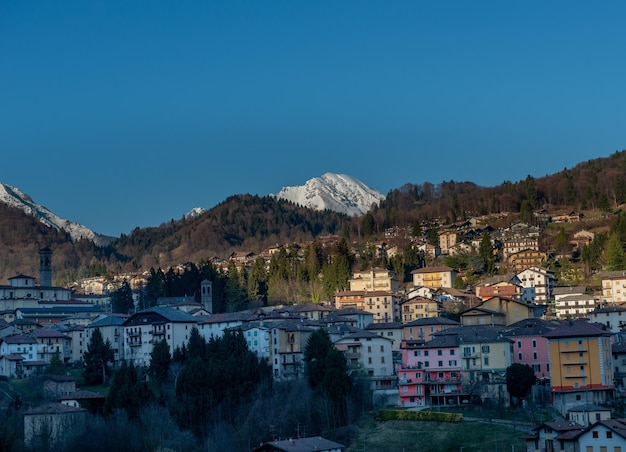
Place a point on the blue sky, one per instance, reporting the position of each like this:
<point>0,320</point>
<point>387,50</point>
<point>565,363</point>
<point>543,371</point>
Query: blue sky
<point>118,114</point>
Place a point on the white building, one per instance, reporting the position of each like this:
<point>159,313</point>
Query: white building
<point>539,280</point>
<point>611,316</point>
<point>369,352</point>
<point>145,328</point>
<point>18,356</point>
<point>111,330</point>
<point>258,339</point>
<point>614,287</point>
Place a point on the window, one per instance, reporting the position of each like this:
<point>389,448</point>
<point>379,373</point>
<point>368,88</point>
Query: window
<point>609,434</point>
<point>382,348</point>
<point>369,349</point>
<point>594,434</point>
<point>519,344</point>
<point>426,364</point>
<point>369,360</point>
<point>425,352</point>
<point>486,361</point>
<point>519,356</point>
<point>417,353</point>
<point>452,363</point>
<point>382,359</point>
<point>440,363</point>
<point>452,351</point>
<point>439,352</point>
<point>485,349</point>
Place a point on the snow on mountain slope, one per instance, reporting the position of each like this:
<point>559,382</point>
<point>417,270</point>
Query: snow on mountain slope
<point>337,192</point>
<point>14,197</point>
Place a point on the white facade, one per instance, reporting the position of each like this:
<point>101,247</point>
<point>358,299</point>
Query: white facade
<point>614,287</point>
<point>111,330</point>
<point>145,328</point>
<point>613,317</point>
<point>369,351</point>
<point>539,279</point>
<point>600,438</point>
<point>258,340</point>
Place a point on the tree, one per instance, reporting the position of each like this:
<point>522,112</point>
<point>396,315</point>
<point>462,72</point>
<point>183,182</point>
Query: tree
<point>99,353</point>
<point>122,299</point>
<point>520,378</point>
<point>128,392</point>
<point>160,360</point>
<point>614,253</point>
<point>56,365</point>
<point>327,374</point>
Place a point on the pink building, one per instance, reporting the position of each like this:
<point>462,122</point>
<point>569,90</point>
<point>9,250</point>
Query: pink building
<point>529,345</point>
<point>430,374</point>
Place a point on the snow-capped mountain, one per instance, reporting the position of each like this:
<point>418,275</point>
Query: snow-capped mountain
<point>337,192</point>
<point>14,197</point>
<point>195,212</point>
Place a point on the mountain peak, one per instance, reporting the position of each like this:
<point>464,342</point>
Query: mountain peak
<point>14,197</point>
<point>336,192</point>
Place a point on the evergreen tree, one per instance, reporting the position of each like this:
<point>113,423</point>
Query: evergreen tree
<point>155,286</point>
<point>327,373</point>
<point>128,392</point>
<point>614,254</point>
<point>122,299</point>
<point>257,281</point>
<point>160,360</point>
<point>56,365</point>
<point>97,357</point>
<point>234,292</point>
<point>417,229</point>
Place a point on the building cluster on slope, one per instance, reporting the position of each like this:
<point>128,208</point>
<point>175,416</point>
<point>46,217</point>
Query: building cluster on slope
<point>401,337</point>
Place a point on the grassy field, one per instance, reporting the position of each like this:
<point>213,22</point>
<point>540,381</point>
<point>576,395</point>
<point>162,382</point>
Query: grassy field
<point>409,436</point>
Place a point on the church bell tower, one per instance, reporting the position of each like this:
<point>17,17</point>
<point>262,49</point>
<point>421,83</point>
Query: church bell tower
<point>206,295</point>
<point>45,267</point>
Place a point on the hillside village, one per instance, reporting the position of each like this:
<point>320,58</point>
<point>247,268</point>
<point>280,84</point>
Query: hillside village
<point>436,341</point>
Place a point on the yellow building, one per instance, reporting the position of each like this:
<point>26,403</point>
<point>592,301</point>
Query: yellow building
<point>375,279</point>
<point>498,311</point>
<point>419,308</point>
<point>434,277</point>
<point>581,365</point>
<point>447,240</point>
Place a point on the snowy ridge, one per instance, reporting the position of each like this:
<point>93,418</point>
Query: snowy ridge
<point>195,212</point>
<point>14,197</point>
<point>337,192</point>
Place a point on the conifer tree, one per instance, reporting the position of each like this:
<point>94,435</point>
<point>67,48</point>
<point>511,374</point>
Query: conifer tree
<point>97,357</point>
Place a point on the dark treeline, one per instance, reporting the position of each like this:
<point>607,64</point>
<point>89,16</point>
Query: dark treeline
<point>291,277</point>
<point>211,395</point>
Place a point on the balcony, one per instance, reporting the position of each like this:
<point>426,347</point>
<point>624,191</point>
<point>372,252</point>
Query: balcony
<point>135,344</point>
<point>133,333</point>
<point>158,332</point>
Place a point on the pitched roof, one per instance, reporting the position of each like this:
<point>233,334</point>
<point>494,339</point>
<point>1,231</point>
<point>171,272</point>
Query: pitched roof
<point>170,314</point>
<point>432,321</point>
<point>19,339</point>
<point>579,328</point>
<point>310,444</point>
<point>110,320</point>
<point>432,270</point>
<point>54,408</point>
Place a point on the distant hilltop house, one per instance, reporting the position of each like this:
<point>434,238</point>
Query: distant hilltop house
<point>570,217</point>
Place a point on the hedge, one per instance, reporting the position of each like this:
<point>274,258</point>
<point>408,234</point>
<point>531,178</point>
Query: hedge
<point>406,415</point>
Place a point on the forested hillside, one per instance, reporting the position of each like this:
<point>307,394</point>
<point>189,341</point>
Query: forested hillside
<point>253,223</point>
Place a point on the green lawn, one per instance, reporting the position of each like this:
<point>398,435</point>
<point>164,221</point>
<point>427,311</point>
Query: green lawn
<point>411,436</point>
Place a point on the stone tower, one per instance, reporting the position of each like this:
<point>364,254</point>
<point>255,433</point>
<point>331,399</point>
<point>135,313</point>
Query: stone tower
<point>45,267</point>
<point>206,295</point>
